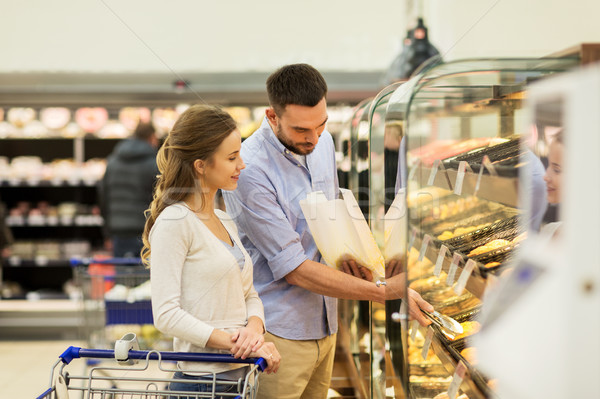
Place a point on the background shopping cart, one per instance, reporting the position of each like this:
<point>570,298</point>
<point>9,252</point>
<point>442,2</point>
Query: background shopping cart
<point>147,379</point>
<point>115,299</point>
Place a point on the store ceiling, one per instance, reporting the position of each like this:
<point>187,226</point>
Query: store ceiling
<point>152,89</point>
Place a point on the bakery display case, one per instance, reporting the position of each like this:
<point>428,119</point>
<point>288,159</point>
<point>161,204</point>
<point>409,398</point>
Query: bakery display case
<point>463,209</point>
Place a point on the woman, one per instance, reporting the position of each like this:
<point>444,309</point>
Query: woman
<point>201,276</point>
<point>553,179</point>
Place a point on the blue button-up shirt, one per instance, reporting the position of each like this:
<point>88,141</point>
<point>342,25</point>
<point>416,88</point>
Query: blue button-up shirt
<point>266,209</point>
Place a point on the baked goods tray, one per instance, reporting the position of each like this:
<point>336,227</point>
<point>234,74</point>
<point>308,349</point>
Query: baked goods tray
<point>425,210</point>
<point>479,379</point>
<point>504,157</point>
<point>507,229</point>
<point>461,219</point>
<point>453,348</point>
<point>498,221</point>
<point>468,384</point>
<point>477,216</point>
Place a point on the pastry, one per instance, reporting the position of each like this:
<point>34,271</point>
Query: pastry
<point>492,264</point>
<point>470,354</point>
<point>469,328</point>
<point>490,246</point>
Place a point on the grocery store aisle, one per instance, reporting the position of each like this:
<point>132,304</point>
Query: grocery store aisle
<point>25,366</point>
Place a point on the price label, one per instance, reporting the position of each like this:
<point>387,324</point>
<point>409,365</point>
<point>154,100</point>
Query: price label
<point>478,181</point>
<point>434,169</point>
<point>413,170</point>
<point>414,327</point>
<point>457,379</point>
<point>424,245</point>
<point>440,261</point>
<point>411,241</point>
<point>453,266</point>
<point>427,343</point>
<point>464,277</point>
<point>489,166</point>
<point>463,166</point>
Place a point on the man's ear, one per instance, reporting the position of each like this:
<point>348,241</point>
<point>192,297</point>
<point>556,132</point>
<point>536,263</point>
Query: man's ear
<point>199,166</point>
<point>271,116</point>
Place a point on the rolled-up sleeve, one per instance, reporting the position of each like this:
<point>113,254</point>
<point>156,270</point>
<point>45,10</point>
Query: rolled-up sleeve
<point>259,215</point>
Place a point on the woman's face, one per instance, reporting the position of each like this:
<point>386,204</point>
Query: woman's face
<point>553,176</point>
<point>223,171</point>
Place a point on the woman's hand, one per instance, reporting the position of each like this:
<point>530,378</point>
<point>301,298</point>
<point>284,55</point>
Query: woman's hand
<point>268,352</point>
<point>245,341</point>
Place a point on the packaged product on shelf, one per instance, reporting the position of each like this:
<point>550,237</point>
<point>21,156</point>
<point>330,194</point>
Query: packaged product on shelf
<point>55,118</point>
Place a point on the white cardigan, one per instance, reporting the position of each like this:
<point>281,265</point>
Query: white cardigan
<point>197,284</point>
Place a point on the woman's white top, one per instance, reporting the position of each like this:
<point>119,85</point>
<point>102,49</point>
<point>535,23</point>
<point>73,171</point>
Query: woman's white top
<point>197,285</point>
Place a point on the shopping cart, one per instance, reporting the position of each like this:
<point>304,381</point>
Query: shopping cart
<point>115,296</point>
<point>132,382</point>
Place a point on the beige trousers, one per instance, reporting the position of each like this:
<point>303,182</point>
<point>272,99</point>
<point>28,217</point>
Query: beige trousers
<point>304,372</point>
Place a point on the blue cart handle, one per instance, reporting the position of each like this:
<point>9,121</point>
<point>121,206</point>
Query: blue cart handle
<point>74,352</point>
<point>110,261</point>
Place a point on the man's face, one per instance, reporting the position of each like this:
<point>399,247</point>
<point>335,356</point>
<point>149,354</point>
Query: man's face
<point>299,127</point>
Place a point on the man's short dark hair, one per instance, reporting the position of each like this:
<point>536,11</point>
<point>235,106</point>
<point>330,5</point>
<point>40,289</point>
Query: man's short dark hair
<point>144,131</point>
<point>298,84</point>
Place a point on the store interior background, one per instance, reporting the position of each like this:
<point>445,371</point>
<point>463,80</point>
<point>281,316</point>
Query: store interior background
<point>186,36</point>
<point>179,37</point>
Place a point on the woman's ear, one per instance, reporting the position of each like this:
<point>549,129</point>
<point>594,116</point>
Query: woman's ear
<point>199,166</point>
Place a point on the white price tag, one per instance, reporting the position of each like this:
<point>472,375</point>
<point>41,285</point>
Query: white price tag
<point>464,277</point>
<point>434,169</point>
<point>413,170</point>
<point>457,379</point>
<point>424,245</point>
<point>412,239</point>
<point>453,266</point>
<point>489,166</point>
<point>463,166</point>
<point>440,261</point>
<point>478,181</point>
<point>414,327</point>
<point>427,343</point>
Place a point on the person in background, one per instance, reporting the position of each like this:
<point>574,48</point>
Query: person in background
<point>553,179</point>
<point>6,237</point>
<point>126,190</point>
<point>201,275</point>
<point>290,155</point>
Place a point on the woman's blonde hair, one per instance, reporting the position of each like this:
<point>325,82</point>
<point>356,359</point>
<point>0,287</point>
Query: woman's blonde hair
<point>196,135</point>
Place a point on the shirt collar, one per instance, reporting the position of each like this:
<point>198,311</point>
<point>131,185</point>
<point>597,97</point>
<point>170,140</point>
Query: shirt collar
<point>271,138</point>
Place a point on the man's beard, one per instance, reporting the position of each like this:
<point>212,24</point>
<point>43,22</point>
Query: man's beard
<point>300,150</point>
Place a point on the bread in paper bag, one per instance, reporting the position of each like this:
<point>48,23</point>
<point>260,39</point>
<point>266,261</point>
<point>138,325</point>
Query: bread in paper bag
<point>341,231</point>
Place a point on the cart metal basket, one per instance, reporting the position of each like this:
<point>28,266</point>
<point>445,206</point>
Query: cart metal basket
<point>115,296</point>
<point>149,378</point>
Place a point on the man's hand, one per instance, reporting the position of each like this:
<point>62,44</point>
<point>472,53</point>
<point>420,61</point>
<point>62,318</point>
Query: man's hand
<point>352,268</point>
<point>393,267</point>
<point>415,304</point>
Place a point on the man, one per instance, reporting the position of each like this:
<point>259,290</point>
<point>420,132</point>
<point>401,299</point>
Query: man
<point>126,190</point>
<point>290,155</point>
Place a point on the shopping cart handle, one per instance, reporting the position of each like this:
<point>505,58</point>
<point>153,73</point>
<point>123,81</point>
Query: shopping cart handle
<point>109,261</point>
<point>74,352</point>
